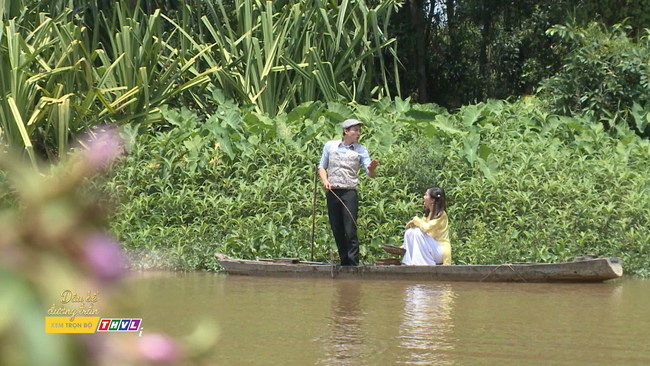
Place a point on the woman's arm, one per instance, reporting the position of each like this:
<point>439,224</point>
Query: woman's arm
<point>423,224</point>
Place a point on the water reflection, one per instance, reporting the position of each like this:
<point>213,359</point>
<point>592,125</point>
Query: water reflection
<point>346,344</point>
<point>266,321</point>
<point>426,324</point>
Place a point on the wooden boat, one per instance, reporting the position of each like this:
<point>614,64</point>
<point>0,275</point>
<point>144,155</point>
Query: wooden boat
<point>582,269</point>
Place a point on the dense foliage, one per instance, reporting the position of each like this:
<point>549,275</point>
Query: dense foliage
<point>457,52</point>
<point>65,69</point>
<point>57,82</point>
<point>225,106</point>
<point>522,184</point>
<point>605,74</point>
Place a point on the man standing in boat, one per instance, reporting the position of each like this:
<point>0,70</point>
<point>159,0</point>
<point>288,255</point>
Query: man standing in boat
<point>339,172</point>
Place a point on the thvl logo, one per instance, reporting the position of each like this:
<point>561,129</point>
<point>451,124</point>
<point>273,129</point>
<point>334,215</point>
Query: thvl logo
<point>118,325</point>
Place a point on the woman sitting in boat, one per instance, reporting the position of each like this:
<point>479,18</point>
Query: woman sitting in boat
<point>428,243</point>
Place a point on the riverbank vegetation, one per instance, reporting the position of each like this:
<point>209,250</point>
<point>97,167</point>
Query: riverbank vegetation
<point>224,108</point>
<point>522,184</point>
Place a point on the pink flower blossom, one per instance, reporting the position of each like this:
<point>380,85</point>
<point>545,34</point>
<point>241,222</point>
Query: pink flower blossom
<point>104,255</point>
<point>105,147</point>
<point>158,348</point>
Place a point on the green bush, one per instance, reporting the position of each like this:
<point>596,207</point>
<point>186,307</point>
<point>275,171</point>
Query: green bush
<point>522,184</point>
<point>68,67</point>
<point>564,188</point>
<point>605,74</point>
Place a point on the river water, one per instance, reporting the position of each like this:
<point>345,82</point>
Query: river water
<point>266,321</point>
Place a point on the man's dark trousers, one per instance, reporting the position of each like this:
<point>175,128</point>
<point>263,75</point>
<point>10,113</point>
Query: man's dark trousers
<point>343,226</point>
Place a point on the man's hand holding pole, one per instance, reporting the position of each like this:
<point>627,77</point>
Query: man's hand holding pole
<point>323,177</point>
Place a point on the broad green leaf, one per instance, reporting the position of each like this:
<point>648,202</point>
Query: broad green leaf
<point>623,151</point>
<point>222,136</point>
<point>443,124</point>
<point>129,134</point>
<point>470,148</point>
<point>254,140</point>
<point>194,145</point>
<point>471,114</point>
<point>402,106</point>
<point>489,168</point>
<point>641,116</point>
<point>484,151</point>
<point>339,112</point>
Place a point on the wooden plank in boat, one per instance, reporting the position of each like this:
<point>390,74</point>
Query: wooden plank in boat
<point>280,260</point>
<point>286,260</point>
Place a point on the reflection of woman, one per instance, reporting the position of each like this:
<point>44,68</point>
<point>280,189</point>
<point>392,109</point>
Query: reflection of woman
<point>428,243</point>
<point>426,324</point>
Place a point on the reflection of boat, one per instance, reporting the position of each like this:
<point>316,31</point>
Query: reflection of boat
<point>585,269</point>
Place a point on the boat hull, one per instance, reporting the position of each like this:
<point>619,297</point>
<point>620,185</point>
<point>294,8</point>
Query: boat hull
<point>589,270</point>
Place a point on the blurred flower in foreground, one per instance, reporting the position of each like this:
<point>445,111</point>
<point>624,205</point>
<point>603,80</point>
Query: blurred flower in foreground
<point>103,147</point>
<point>105,257</point>
<point>159,348</point>
<point>98,149</point>
<point>53,238</point>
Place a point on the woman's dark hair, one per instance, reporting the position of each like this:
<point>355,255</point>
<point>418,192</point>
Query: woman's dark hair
<point>438,194</point>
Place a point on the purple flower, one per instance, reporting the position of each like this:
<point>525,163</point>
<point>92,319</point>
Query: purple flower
<point>104,256</point>
<point>105,147</point>
<point>158,348</point>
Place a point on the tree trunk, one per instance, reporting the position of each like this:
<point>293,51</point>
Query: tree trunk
<point>417,17</point>
<point>455,49</point>
<point>486,49</point>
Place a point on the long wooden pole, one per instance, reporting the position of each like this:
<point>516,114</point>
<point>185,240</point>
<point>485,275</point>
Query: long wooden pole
<point>313,213</point>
